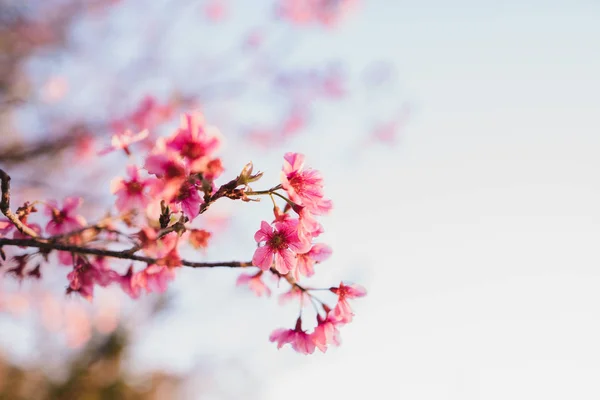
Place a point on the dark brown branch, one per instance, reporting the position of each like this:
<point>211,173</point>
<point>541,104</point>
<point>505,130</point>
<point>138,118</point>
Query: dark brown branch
<point>124,255</point>
<point>22,153</point>
<point>5,206</point>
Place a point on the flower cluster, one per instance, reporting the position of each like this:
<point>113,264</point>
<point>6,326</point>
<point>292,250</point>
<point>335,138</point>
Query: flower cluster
<point>157,204</point>
<point>326,12</point>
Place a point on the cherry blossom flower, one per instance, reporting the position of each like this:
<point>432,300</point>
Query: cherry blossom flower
<point>199,238</point>
<point>293,293</point>
<point>306,261</point>
<point>189,199</point>
<point>131,283</point>
<point>309,228</point>
<point>326,332</point>
<point>281,243</point>
<point>304,186</point>
<point>155,278</point>
<point>122,141</point>
<point>297,338</point>
<point>150,113</point>
<point>130,193</point>
<point>170,170</point>
<point>171,259</point>
<point>86,274</point>
<point>342,311</point>
<point>255,283</point>
<point>34,227</point>
<point>326,12</point>
<point>193,142</point>
<point>64,220</point>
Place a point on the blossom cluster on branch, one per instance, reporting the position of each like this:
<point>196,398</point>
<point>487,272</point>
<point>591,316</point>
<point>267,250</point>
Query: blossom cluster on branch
<point>156,204</point>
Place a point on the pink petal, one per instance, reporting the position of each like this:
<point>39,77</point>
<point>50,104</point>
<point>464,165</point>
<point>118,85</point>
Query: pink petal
<point>264,233</point>
<point>294,162</point>
<point>320,252</point>
<point>263,258</point>
<point>285,261</point>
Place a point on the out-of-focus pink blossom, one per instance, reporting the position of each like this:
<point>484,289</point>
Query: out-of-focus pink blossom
<point>63,219</point>
<point>255,283</point>
<point>78,328</point>
<point>150,113</point>
<point>132,193</point>
<point>34,227</point>
<point>326,333</point>
<point>55,89</point>
<point>122,141</point>
<point>292,294</point>
<point>189,199</point>
<point>326,12</point>
<point>215,10</point>
<point>87,274</point>
<point>297,338</point>
<point>5,227</point>
<point>193,142</point>
<point>155,278</point>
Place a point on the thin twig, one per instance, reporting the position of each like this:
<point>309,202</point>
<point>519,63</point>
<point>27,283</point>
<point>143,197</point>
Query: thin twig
<point>5,206</point>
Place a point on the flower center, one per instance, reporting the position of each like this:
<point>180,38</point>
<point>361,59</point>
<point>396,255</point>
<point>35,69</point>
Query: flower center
<point>277,242</point>
<point>192,150</point>
<point>59,216</point>
<point>173,171</point>
<point>134,187</point>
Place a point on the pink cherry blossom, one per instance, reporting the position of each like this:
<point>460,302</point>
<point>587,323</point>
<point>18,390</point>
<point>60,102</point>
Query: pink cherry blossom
<point>130,193</point>
<point>130,283</point>
<point>122,141</point>
<point>281,243</point>
<point>86,274</point>
<point>326,332</point>
<point>306,261</point>
<point>304,186</point>
<point>326,12</point>
<point>342,311</point>
<point>193,142</point>
<point>154,247</point>
<point>293,293</point>
<point>255,283</point>
<point>170,170</point>
<point>309,227</point>
<point>35,227</point>
<point>64,220</point>
<point>155,278</point>
<point>297,338</point>
<point>189,199</point>
<point>149,113</point>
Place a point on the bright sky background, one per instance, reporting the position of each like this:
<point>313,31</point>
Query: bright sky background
<point>476,235</point>
<point>481,245</point>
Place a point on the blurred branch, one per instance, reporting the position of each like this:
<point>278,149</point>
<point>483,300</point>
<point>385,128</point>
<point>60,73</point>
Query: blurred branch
<point>20,153</point>
<point>5,206</point>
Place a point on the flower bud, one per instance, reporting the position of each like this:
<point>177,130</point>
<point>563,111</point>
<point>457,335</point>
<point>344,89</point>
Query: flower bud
<point>246,176</point>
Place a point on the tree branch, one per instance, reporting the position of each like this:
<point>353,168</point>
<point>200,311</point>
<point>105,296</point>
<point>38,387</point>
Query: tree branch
<point>5,206</point>
<point>125,255</point>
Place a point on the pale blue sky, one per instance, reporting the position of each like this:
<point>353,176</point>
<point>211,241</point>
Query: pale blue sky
<point>480,248</point>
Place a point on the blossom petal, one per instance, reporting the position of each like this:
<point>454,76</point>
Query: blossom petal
<point>263,258</point>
